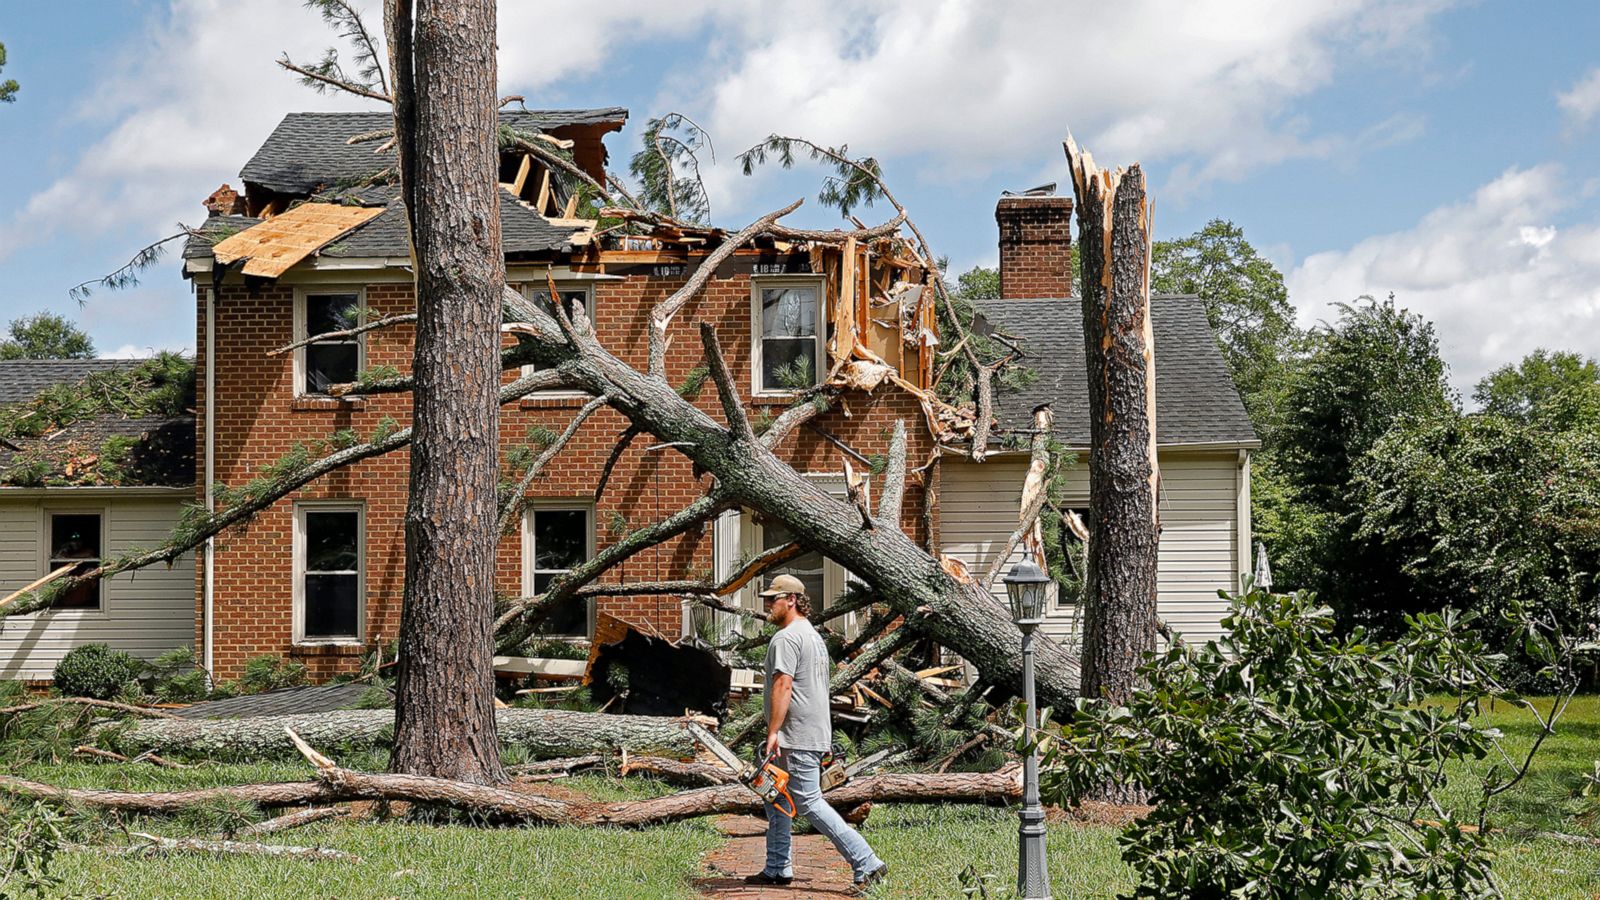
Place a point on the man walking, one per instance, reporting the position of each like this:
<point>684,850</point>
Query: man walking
<point>799,732</point>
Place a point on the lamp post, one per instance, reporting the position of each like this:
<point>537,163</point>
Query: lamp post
<point>1027,586</point>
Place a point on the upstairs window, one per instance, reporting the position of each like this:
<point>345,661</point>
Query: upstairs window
<point>788,323</point>
<point>555,541</point>
<point>75,539</point>
<point>329,584</point>
<point>323,364</point>
<point>570,294</point>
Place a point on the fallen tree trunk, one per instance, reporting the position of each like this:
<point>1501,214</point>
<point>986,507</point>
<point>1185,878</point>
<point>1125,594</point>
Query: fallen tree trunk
<point>953,610</point>
<point>544,733</point>
<point>337,785</point>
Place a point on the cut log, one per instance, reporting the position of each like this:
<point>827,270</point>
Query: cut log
<point>544,733</point>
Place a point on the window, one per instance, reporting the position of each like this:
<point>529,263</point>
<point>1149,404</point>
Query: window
<point>323,364</point>
<point>330,585</point>
<point>570,293</point>
<point>555,541</point>
<point>788,317</point>
<point>75,539</point>
<point>810,568</point>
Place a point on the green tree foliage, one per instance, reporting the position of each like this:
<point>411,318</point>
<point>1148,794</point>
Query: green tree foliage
<point>1247,304</point>
<point>46,336</point>
<point>1524,390</point>
<point>1290,762</point>
<point>667,165</point>
<point>1376,367</point>
<point>1485,512</point>
<point>9,87</point>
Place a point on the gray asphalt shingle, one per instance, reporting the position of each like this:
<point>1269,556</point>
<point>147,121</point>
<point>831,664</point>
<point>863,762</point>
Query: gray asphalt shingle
<point>1196,401</point>
<point>308,150</point>
<point>22,379</point>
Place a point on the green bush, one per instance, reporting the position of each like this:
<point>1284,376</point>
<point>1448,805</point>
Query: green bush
<point>96,671</point>
<point>1290,761</point>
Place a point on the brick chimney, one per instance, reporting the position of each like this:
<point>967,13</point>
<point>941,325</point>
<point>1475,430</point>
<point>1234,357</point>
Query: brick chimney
<point>224,201</point>
<point>1035,244</point>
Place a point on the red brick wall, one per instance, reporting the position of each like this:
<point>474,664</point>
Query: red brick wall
<point>258,421</point>
<point>1035,247</point>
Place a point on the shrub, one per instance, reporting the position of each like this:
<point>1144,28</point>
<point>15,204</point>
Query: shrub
<point>1290,761</point>
<point>96,671</point>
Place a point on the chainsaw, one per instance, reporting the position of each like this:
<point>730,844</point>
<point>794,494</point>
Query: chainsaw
<point>768,781</point>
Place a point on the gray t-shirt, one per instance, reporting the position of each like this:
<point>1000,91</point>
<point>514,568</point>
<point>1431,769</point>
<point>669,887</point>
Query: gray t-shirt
<point>798,651</point>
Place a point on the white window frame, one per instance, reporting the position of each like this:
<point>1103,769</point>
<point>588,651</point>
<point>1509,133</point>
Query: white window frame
<point>759,283</point>
<point>529,573</point>
<point>749,540</point>
<point>528,289</point>
<point>45,515</point>
<point>360,340</point>
<point>301,507</point>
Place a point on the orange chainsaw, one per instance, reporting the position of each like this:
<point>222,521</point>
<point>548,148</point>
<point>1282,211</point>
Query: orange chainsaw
<point>768,781</point>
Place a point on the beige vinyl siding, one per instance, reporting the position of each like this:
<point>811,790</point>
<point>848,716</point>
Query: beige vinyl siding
<point>1199,516</point>
<point>146,613</point>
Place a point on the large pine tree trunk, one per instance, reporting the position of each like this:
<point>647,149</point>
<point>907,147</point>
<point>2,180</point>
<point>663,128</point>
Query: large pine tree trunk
<point>445,122</point>
<point>1120,595</point>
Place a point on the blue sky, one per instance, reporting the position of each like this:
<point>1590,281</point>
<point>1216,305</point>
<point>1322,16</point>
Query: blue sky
<point>1448,152</point>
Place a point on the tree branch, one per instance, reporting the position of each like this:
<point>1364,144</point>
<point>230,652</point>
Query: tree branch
<point>529,610</point>
<point>894,479</point>
<point>727,391</point>
<point>346,333</point>
<point>519,497</point>
<point>623,440</point>
<point>356,89</point>
<point>661,316</point>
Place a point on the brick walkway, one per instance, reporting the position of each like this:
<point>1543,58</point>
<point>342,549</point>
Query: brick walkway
<point>819,871</point>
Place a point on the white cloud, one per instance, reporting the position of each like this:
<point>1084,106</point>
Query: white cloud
<point>1499,274</point>
<point>1581,102</point>
<point>1207,85</point>
<point>184,108</point>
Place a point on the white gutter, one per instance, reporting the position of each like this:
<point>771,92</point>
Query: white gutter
<point>207,589</point>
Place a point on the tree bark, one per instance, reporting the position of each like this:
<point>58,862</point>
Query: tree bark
<point>544,733</point>
<point>445,126</point>
<point>497,804</point>
<point>1120,592</point>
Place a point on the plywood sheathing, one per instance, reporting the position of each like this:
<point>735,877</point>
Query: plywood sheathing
<point>272,247</point>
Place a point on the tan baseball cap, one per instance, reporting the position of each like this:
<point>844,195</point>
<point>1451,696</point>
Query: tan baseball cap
<point>784,584</point>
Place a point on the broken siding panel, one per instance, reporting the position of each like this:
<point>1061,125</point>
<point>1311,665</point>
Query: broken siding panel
<point>1197,556</point>
<point>145,613</point>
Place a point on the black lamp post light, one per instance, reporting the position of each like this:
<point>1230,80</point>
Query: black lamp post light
<point>1028,587</point>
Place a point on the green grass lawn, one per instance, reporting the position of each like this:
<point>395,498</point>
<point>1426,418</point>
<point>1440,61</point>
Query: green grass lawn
<point>928,848</point>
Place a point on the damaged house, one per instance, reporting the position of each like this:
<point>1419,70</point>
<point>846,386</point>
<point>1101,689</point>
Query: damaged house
<point>315,247</point>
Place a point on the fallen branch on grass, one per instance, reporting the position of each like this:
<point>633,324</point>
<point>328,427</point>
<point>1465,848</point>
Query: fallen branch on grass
<point>151,758</point>
<point>154,844</point>
<point>335,785</point>
<point>295,820</point>
<point>141,711</point>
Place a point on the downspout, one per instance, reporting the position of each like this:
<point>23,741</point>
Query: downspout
<point>207,589</point>
<point>1243,538</point>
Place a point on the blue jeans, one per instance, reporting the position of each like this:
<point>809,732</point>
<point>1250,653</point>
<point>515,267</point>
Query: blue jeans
<point>805,771</point>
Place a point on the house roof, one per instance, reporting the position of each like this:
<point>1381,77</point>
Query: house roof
<point>161,453</point>
<point>309,150</point>
<point>522,231</point>
<point>22,379</point>
<point>1196,400</point>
